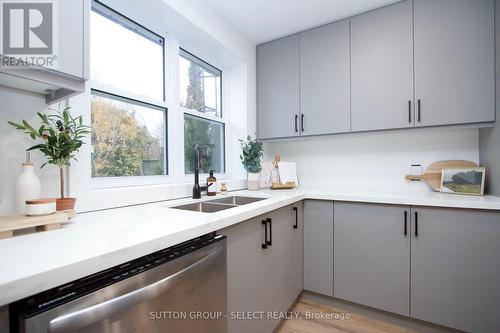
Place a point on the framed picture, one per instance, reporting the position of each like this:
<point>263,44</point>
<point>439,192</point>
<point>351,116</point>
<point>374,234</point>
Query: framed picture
<point>463,181</point>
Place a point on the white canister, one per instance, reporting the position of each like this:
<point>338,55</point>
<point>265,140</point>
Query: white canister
<point>28,187</point>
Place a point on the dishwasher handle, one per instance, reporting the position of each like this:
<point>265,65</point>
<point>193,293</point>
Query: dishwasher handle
<point>101,311</point>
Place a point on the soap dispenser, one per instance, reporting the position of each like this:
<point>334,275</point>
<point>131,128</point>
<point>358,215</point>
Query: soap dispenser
<point>211,184</point>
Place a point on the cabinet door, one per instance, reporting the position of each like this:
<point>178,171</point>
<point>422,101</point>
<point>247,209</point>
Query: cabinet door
<point>246,277</point>
<point>454,61</point>
<point>278,88</point>
<point>318,246</point>
<point>372,255</point>
<point>297,250</point>
<point>325,79</point>
<point>455,270</point>
<point>72,31</point>
<point>382,68</point>
<point>278,265</point>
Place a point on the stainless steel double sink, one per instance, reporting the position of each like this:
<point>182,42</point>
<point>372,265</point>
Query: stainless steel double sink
<point>217,205</point>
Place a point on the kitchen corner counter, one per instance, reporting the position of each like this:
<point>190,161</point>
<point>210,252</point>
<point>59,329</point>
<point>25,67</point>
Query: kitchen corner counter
<point>96,241</point>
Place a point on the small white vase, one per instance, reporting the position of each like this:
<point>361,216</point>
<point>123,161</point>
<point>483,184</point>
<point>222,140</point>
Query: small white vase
<point>253,181</point>
<point>27,187</point>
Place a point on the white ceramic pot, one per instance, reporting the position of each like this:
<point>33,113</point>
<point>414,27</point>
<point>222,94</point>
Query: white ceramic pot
<point>28,187</point>
<point>253,181</point>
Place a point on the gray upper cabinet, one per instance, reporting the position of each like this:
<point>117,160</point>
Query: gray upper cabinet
<point>382,68</point>
<point>455,268</point>
<point>454,61</point>
<point>318,246</point>
<point>278,88</point>
<point>372,255</point>
<point>325,79</point>
<point>68,76</point>
<point>73,36</point>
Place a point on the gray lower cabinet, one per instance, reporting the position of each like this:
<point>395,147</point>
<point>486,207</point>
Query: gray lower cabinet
<point>382,68</point>
<point>372,255</point>
<point>454,61</point>
<point>278,88</point>
<point>262,279</point>
<point>318,246</point>
<point>325,79</point>
<point>455,268</point>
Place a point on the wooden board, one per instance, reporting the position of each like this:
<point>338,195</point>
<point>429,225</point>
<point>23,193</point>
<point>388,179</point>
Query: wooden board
<point>432,175</point>
<point>280,186</point>
<point>8,224</point>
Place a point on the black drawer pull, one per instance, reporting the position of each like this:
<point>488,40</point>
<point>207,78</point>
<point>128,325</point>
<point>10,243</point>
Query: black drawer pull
<point>409,111</point>
<point>406,223</point>
<point>270,241</point>
<point>419,110</point>
<point>302,122</point>
<point>296,123</point>
<point>264,245</point>
<point>416,224</point>
<point>296,225</point>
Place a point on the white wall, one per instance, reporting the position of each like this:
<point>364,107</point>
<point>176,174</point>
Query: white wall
<point>375,160</point>
<point>190,24</point>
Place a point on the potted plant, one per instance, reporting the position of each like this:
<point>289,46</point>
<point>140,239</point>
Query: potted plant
<point>59,137</point>
<point>252,152</point>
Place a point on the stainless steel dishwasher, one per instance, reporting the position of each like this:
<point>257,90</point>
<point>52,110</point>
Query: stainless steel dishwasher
<point>179,289</point>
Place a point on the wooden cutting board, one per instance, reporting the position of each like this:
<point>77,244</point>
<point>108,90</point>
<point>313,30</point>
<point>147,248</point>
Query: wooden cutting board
<point>8,224</point>
<point>432,175</point>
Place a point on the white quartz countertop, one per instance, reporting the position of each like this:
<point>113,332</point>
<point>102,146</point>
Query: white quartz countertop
<point>95,241</point>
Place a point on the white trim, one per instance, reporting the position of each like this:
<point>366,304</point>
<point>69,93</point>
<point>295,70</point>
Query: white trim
<point>175,112</point>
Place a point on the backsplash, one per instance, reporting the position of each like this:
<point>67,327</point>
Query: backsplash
<point>15,106</point>
<point>374,160</point>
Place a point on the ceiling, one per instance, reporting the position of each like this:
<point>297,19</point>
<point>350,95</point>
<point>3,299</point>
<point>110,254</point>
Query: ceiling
<point>265,20</point>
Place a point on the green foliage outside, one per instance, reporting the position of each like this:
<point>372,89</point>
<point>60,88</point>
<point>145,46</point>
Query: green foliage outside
<point>122,146</point>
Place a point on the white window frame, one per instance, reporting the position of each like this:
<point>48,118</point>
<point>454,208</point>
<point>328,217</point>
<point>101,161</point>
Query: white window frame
<point>224,119</point>
<point>175,112</point>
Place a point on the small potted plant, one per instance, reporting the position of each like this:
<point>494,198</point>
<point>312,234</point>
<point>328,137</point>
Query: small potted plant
<point>59,138</point>
<point>252,152</point>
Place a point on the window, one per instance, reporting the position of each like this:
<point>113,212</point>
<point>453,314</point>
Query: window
<point>118,44</point>
<point>200,96</point>
<point>200,85</point>
<point>209,135</point>
<point>128,138</point>
<point>128,111</point>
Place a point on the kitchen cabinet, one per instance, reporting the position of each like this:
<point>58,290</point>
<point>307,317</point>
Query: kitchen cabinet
<point>68,77</point>
<point>325,79</point>
<point>278,88</point>
<point>318,246</point>
<point>382,68</point>
<point>372,255</point>
<point>262,276</point>
<point>455,269</point>
<point>454,61</point>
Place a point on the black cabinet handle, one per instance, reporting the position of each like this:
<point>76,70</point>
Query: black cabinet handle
<point>416,224</point>
<point>264,245</point>
<point>296,123</point>
<point>406,223</point>
<point>419,108</point>
<point>270,241</point>
<point>409,111</point>
<point>302,122</point>
<point>296,225</point>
